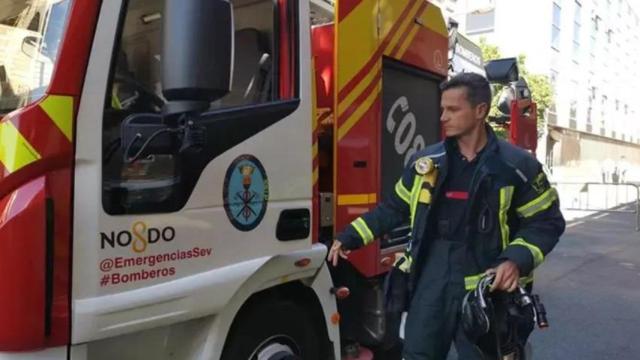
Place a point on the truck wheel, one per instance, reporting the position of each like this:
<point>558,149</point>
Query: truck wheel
<point>275,331</point>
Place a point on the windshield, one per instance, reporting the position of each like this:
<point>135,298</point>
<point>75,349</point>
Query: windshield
<point>30,36</point>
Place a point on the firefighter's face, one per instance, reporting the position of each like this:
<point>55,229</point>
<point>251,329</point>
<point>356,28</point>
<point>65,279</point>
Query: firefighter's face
<point>459,117</point>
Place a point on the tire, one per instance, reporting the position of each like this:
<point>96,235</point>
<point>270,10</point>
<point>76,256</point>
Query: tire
<point>280,330</point>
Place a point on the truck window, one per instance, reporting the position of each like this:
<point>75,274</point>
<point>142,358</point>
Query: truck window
<point>153,184</point>
<point>30,35</point>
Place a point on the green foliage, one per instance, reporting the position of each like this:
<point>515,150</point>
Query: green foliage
<point>500,131</point>
<point>489,51</point>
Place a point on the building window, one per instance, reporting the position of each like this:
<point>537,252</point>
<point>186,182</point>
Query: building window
<point>603,106</point>
<point>573,111</point>
<point>590,99</point>
<point>555,26</point>
<point>553,77</point>
<point>594,33</point>
<point>576,31</point>
<point>619,7</point>
<point>480,22</point>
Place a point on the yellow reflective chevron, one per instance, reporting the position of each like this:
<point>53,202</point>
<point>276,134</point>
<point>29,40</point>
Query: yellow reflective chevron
<point>470,282</point>
<point>526,280</point>
<point>506,194</point>
<point>538,256</point>
<point>538,204</point>
<point>363,230</point>
<point>60,110</point>
<point>402,192</point>
<point>415,192</point>
<point>15,150</point>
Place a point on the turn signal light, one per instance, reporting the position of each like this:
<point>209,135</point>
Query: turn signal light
<point>304,262</point>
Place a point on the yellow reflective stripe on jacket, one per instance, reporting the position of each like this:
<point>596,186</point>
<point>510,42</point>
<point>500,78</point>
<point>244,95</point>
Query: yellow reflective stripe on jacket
<point>506,194</point>
<point>415,194</point>
<point>538,256</point>
<point>363,230</point>
<point>470,282</point>
<point>115,102</point>
<point>402,192</point>
<point>15,150</point>
<point>538,204</point>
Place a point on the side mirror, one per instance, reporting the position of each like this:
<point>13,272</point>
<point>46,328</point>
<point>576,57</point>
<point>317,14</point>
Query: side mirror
<point>30,46</point>
<point>502,71</point>
<point>507,95</point>
<point>197,53</point>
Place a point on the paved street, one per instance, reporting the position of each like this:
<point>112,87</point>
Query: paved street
<point>590,286</point>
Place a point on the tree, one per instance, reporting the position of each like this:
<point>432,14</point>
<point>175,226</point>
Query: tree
<point>540,85</point>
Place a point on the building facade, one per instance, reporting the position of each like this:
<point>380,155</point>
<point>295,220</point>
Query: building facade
<point>590,51</point>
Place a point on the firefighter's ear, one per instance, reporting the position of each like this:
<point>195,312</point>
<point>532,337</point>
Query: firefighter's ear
<point>482,110</point>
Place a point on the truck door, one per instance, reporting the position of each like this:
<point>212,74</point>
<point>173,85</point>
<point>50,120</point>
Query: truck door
<point>168,236</point>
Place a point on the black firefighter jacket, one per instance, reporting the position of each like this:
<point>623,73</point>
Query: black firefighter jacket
<point>512,213</point>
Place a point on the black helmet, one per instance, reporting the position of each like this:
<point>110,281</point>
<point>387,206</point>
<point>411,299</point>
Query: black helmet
<point>497,323</point>
<point>476,310</point>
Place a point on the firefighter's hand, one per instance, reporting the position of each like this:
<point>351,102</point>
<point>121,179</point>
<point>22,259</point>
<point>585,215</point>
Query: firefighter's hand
<point>506,276</point>
<point>336,251</point>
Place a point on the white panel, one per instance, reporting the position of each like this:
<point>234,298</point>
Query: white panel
<point>58,353</point>
<point>163,289</point>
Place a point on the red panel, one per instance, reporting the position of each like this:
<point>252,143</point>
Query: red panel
<point>408,30</point>
<point>360,144</point>
<point>22,267</point>
<point>59,190</point>
<point>346,114</point>
<point>322,47</point>
<point>346,6</point>
<point>68,75</point>
<point>523,130</point>
<point>428,51</point>
<point>286,50</point>
<point>377,56</point>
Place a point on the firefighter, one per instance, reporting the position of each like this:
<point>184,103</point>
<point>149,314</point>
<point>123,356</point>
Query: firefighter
<point>475,203</point>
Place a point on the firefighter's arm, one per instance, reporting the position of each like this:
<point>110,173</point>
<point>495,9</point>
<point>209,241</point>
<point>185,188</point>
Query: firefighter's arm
<point>541,223</point>
<point>382,219</point>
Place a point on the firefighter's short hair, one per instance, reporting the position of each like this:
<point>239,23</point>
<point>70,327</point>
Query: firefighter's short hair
<point>477,86</point>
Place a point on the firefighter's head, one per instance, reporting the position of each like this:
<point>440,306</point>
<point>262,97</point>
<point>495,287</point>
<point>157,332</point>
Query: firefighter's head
<point>465,103</point>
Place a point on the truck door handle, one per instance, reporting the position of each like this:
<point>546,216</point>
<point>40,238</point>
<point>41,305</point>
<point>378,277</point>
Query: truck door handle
<point>293,224</point>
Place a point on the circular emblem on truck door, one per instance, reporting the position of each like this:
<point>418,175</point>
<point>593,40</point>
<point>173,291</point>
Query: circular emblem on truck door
<point>246,192</point>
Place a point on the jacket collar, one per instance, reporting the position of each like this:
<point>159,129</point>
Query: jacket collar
<point>491,147</point>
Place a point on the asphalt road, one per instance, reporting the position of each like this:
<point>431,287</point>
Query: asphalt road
<point>590,285</point>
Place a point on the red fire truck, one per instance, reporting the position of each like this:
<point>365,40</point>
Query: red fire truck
<point>169,170</point>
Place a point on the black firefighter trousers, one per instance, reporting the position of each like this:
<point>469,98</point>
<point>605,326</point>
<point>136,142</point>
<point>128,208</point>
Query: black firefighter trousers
<point>432,323</point>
